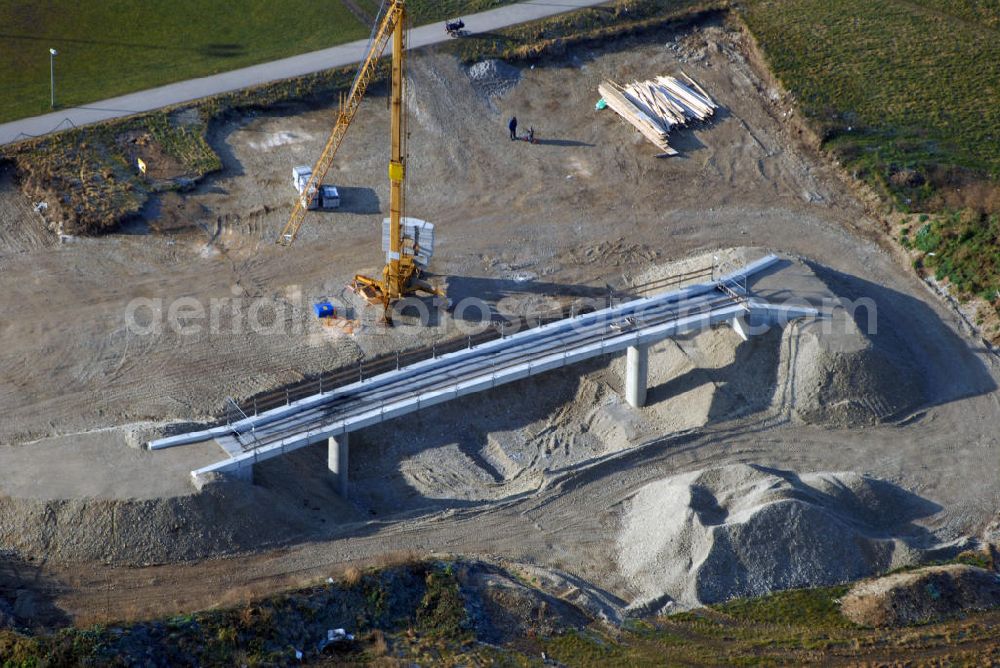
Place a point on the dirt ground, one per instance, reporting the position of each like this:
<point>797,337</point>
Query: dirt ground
<point>587,205</point>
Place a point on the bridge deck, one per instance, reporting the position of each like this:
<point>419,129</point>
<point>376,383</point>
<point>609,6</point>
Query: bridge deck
<point>412,388</point>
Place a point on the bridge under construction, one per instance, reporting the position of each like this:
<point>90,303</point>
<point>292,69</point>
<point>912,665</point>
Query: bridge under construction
<point>632,326</point>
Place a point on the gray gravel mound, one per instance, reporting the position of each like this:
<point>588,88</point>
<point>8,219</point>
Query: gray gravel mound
<point>745,530</point>
<point>224,519</point>
<point>493,78</point>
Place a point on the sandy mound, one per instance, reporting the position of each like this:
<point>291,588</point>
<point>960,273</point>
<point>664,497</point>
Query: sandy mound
<point>843,371</point>
<point>922,596</point>
<point>832,373</point>
<point>879,356</point>
<point>493,78</point>
<point>137,531</point>
<point>744,530</point>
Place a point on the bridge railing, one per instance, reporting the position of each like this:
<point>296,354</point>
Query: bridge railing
<point>374,366</point>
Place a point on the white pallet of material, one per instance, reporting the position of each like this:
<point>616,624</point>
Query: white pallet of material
<point>700,90</point>
<point>418,239</point>
<point>702,107</point>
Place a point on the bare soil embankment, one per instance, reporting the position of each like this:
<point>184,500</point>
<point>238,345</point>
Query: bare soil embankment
<point>922,596</point>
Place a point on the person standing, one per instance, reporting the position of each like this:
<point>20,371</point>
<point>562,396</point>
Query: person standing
<point>513,127</point>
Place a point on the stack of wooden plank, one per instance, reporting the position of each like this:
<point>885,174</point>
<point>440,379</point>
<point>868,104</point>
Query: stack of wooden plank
<point>657,106</point>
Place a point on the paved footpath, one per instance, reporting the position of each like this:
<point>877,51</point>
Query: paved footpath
<point>337,56</point>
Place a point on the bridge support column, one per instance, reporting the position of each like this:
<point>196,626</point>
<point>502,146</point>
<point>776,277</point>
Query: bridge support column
<point>636,375</point>
<point>337,454</point>
<point>740,327</point>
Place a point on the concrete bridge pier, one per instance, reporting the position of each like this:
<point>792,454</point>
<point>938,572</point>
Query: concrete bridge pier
<point>338,449</point>
<point>636,375</point>
<point>740,326</point>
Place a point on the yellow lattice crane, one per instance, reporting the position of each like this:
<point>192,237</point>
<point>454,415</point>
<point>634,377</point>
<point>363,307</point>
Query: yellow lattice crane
<point>408,243</point>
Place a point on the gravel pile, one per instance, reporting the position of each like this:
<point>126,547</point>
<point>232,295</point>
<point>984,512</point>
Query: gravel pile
<point>835,374</point>
<point>850,389</point>
<point>224,519</point>
<point>744,530</point>
<point>493,78</point>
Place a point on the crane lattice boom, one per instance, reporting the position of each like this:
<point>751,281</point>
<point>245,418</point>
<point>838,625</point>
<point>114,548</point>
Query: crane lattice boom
<point>348,108</point>
<point>406,251</point>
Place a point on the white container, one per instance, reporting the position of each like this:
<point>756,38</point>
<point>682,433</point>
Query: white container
<point>300,177</point>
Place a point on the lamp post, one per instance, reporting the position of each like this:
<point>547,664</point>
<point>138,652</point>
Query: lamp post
<point>52,75</point>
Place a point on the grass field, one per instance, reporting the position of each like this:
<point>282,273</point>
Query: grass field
<point>961,246</point>
<point>906,93</point>
<point>113,47</point>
